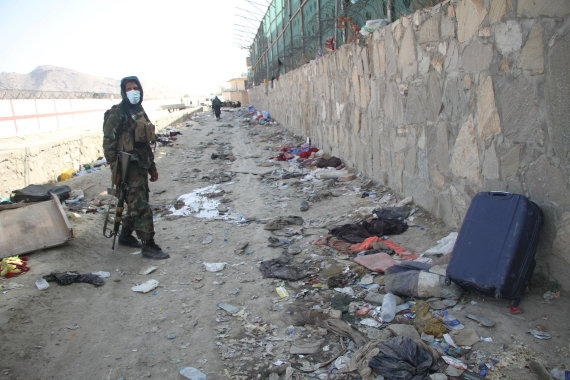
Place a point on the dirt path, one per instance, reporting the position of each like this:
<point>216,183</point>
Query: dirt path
<point>111,332</point>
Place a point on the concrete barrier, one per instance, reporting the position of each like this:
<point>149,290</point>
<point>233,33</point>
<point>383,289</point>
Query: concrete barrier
<point>40,157</point>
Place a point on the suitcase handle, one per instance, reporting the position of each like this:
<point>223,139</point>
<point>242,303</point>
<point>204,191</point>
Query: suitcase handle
<point>500,194</point>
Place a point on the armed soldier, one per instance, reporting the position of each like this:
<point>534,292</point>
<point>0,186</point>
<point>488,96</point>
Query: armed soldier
<point>128,129</point>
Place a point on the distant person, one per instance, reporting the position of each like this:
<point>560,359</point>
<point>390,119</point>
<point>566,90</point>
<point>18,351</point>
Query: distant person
<point>127,128</point>
<point>217,106</point>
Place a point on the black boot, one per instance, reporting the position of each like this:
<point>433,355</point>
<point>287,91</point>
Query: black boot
<point>127,239</point>
<point>153,251</point>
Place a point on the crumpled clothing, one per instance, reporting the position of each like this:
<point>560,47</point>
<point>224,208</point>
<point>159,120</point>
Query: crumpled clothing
<point>280,268</point>
<point>69,277</point>
<point>331,162</point>
<point>393,212</point>
<point>365,245</point>
<point>284,157</point>
<point>425,322</point>
<point>402,358</point>
<point>13,265</point>
<point>334,243</point>
<point>341,328</point>
<point>359,361</point>
<point>358,232</point>
<point>401,251</point>
<point>282,221</point>
<point>307,153</point>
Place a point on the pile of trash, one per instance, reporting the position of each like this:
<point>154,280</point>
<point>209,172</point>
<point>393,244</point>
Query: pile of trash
<point>359,309</point>
<point>259,117</point>
<point>82,170</point>
<point>357,304</point>
<point>168,137</point>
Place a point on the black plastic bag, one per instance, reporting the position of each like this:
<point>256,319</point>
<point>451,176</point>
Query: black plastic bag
<point>401,358</point>
<point>70,277</point>
<point>358,232</point>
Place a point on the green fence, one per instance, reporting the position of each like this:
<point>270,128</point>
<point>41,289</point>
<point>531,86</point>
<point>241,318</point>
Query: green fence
<point>294,32</point>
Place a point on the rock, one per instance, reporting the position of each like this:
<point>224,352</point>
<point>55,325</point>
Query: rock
<point>407,62</point>
<point>470,14</point>
<point>488,122</point>
<point>508,37</point>
<point>191,373</point>
<point>229,308</point>
<point>145,287</point>
<point>477,56</point>
<point>466,337</point>
<point>465,157</point>
<point>532,55</point>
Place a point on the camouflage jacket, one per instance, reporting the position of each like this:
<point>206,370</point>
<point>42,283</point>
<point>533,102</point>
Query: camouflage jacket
<point>119,136</point>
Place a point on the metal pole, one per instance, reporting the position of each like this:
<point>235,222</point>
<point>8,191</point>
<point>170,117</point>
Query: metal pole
<point>389,10</point>
<point>335,22</point>
<point>302,32</point>
<point>290,26</point>
<point>319,38</point>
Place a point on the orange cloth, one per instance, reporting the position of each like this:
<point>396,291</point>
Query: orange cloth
<point>365,245</point>
<point>401,251</point>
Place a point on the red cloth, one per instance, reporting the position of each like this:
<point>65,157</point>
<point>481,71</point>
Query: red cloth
<point>401,251</point>
<point>284,157</point>
<point>308,153</point>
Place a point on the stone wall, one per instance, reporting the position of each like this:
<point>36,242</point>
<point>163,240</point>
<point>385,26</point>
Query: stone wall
<point>41,158</point>
<point>468,96</point>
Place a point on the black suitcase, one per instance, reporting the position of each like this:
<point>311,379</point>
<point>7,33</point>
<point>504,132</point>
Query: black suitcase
<point>495,248</point>
<point>38,193</point>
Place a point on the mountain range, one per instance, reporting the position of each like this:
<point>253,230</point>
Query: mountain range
<point>53,78</point>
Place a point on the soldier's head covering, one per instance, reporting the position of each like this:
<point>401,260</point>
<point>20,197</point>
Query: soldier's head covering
<point>126,80</point>
<point>126,104</point>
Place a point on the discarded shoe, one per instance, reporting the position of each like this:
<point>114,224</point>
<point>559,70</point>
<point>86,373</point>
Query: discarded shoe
<point>127,239</point>
<point>152,251</point>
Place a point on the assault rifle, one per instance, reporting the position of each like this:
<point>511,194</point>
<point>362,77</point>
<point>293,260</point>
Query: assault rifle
<point>121,187</point>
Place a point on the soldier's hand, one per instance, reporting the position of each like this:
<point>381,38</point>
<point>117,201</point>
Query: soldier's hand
<point>153,175</point>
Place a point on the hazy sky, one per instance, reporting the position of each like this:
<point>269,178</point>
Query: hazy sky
<point>190,45</point>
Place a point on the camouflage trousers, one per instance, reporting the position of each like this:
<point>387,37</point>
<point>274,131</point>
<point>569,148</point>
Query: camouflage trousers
<point>139,213</point>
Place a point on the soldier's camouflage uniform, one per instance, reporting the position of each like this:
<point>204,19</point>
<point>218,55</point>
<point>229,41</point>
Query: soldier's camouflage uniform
<point>119,135</point>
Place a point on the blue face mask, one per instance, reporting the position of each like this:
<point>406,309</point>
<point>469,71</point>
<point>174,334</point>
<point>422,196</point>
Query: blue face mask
<point>134,96</point>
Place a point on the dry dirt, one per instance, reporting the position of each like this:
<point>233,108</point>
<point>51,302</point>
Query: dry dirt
<point>112,332</point>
